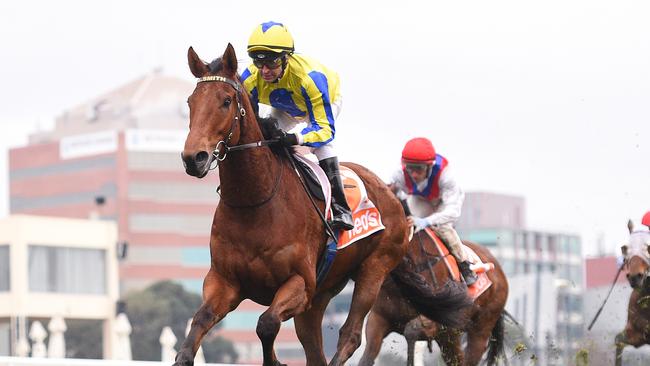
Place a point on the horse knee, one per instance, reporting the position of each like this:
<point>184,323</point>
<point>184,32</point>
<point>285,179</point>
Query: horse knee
<point>268,326</point>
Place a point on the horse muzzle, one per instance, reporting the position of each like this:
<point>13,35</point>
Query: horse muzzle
<point>197,165</point>
<point>638,280</point>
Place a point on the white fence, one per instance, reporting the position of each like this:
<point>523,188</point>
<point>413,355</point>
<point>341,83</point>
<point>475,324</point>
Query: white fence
<point>25,361</point>
<point>52,354</point>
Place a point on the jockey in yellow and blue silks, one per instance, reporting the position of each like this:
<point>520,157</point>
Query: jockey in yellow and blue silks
<point>299,90</point>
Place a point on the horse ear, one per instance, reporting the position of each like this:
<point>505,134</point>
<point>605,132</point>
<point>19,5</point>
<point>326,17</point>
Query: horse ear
<point>229,60</point>
<point>197,66</point>
<point>630,226</point>
<point>624,250</point>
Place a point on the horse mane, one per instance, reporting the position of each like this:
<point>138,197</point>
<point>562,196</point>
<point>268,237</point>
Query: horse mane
<point>216,65</point>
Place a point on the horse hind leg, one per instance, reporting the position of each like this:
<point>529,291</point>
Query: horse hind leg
<point>449,341</point>
<point>289,300</point>
<point>306,322</point>
<point>377,328</point>
<point>367,285</point>
<point>220,299</point>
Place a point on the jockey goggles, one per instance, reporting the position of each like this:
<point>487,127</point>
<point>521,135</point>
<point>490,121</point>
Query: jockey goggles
<point>270,63</point>
<point>417,167</point>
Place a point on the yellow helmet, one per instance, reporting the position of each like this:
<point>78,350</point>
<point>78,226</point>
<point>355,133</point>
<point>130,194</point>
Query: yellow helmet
<point>270,37</point>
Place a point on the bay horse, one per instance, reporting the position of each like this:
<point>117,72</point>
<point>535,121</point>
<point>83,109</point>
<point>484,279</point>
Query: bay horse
<point>637,259</point>
<point>392,312</point>
<point>266,237</point>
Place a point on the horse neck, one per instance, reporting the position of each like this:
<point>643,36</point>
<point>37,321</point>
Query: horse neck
<point>249,176</point>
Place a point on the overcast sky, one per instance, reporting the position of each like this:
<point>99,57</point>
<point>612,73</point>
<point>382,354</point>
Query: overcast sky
<point>549,100</point>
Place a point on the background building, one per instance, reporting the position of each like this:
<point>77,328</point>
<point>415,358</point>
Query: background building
<point>56,267</point>
<point>117,158</point>
<point>544,270</point>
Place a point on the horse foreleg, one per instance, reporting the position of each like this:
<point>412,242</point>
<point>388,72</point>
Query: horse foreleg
<point>289,300</point>
<point>366,288</point>
<point>219,298</point>
<point>377,328</point>
<point>410,351</point>
<point>620,344</point>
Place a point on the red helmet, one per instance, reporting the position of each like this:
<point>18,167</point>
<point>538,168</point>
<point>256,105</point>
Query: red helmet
<point>419,150</point>
<point>646,219</point>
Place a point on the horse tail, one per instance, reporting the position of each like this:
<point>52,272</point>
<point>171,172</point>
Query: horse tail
<point>496,347</point>
<point>446,305</point>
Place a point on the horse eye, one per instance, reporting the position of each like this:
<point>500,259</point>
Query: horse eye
<point>226,102</point>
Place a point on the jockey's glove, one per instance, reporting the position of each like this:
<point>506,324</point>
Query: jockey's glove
<point>289,139</point>
<point>419,223</point>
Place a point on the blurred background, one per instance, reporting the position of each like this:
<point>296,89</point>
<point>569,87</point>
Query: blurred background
<point>541,108</point>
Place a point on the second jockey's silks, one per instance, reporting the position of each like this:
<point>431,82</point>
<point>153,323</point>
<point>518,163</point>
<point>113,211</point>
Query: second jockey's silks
<point>432,189</point>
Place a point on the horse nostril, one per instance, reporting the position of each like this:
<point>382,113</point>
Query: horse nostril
<point>201,157</point>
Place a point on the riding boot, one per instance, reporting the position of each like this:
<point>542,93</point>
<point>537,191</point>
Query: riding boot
<point>341,211</point>
<point>469,275</point>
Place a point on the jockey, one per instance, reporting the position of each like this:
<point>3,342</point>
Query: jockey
<point>299,89</point>
<point>435,195</point>
<point>646,219</point>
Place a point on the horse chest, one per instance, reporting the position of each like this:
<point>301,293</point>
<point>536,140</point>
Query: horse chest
<point>256,269</point>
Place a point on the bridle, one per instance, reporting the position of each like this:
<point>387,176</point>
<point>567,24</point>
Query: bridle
<point>223,144</point>
<point>241,113</point>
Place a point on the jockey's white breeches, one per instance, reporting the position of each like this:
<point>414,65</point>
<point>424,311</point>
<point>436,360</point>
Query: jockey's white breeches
<point>295,125</point>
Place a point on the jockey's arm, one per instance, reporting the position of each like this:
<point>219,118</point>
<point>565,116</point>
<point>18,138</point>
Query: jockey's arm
<point>452,198</point>
<point>249,86</point>
<point>320,129</point>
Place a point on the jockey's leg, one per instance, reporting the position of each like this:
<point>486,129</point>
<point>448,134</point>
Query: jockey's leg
<point>327,160</point>
<point>285,121</point>
<point>450,237</point>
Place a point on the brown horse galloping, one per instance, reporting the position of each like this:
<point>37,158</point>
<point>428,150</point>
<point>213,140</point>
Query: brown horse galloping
<point>637,257</point>
<point>394,313</point>
<point>266,237</point>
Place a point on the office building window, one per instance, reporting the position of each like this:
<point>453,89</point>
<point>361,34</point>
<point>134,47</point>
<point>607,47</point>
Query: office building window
<point>5,338</point>
<point>67,270</point>
<point>4,268</point>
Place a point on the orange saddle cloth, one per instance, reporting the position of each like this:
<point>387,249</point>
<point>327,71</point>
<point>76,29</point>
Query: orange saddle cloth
<point>476,264</point>
<point>366,217</point>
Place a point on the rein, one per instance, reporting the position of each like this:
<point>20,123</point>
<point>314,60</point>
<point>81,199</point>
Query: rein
<point>330,249</point>
<point>242,112</point>
<point>606,297</point>
<point>223,144</point>
<point>427,261</point>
